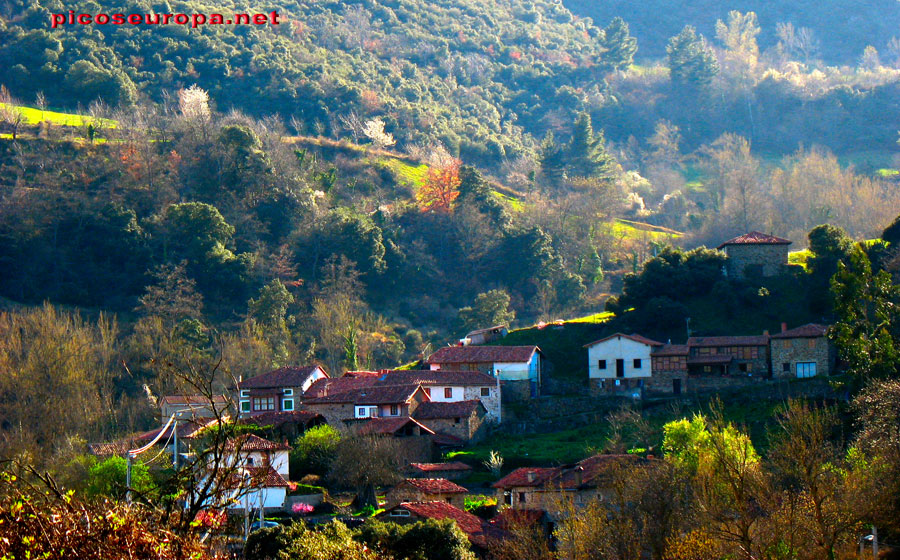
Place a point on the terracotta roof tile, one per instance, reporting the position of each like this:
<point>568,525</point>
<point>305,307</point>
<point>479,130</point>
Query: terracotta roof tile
<point>277,419</point>
<point>811,330</point>
<point>756,238</point>
<point>437,377</point>
<point>251,442</point>
<point>382,394</point>
<point>434,486</point>
<point>446,440</point>
<point>594,471</point>
<point>482,354</point>
<point>760,340</point>
<point>634,337</point>
<point>193,400</point>
<point>434,410</point>
<point>389,426</point>
<point>260,477</point>
<point>440,467</point>
<point>335,385</point>
<point>288,376</point>
<point>471,525</point>
<point>671,350</point>
<point>525,476</point>
<point>187,429</point>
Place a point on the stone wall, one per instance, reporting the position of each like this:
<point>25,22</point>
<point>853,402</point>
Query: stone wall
<point>334,413</point>
<point>491,402</point>
<point>515,391</point>
<point>747,260</point>
<point>663,382</point>
<point>792,350</point>
<point>607,386</point>
<point>472,428</point>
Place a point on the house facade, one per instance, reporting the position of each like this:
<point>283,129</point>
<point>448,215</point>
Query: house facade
<point>518,368</point>
<point>802,352</point>
<point>619,363</point>
<point>452,470</point>
<point>465,420</point>
<point>280,390</point>
<point>669,369</point>
<point>755,254</point>
<point>391,401</point>
<point>485,336</point>
<point>263,471</point>
<point>427,490</point>
<point>452,386</point>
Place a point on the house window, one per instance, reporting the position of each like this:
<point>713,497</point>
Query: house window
<point>707,369</point>
<point>507,498</point>
<point>485,391</point>
<point>264,403</point>
<point>456,420</point>
<point>287,405</point>
<point>637,363</point>
<point>245,394</point>
<point>245,406</point>
<point>811,343</point>
<point>806,369</point>
<point>601,364</point>
<point>249,461</point>
<point>602,383</point>
<point>448,392</point>
<point>288,392</point>
<point>742,367</point>
<point>521,497</point>
<point>373,411</point>
<point>399,513</point>
<point>618,382</point>
<point>786,367</point>
<point>361,412</point>
<point>395,410</point>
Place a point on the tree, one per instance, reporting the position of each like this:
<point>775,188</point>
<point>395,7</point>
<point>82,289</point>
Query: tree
<point>619,47</point>
<point>490,308</point>
<point>691,61</point>
<point>587,155</point>
<point>374,130</point>
<point>430,539</point>
<point>866,307</point>
<point>440,188</point>
<point>10,113</point>
<point>269,311</point>
<point>107,478</point>
<point>364,462</point>
<point>739,37</point>
<point>315,450</point>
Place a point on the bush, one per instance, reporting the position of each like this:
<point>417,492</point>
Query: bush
<point>108,478</point>
<point>314,451</point>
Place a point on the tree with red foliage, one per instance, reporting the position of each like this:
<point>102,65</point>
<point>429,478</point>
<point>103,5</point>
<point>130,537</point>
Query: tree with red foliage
<point>441,187</point>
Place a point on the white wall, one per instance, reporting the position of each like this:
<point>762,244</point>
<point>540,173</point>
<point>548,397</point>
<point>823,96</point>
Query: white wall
<point>614,349</point>
<point>515,371</point>
<point>315,376</point>
<point>273,498</point>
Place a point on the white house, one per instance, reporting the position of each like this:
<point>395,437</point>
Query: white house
<point>264,471</point>
<point>519,368</point>
<point>451,386</point>
<point>619,363</point>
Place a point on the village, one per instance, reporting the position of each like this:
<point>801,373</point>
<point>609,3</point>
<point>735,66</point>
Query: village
<point>457,397</point>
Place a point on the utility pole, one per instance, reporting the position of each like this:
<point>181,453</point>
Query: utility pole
<point>128,460</point>
<point>175,444</point>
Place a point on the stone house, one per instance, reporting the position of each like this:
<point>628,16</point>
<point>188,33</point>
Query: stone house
<point>619,363</point>
<point>741,356</point>
<point>669,370</point>
<point>390,401</point>
<point>519,368</point>
<point>427,490</point>
<point>395,427</point>
<point>485,336</point>
<point>755,254</point>
<point>452,386</point>
<point>465,420</point>
<point>452,470</point>
<point>802,352</point>
<point>280,390</point>
<point>548,489</point>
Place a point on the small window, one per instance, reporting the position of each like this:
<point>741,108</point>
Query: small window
<point>521,497</point>
<point>288,392</point>
<point>287,405</point>
<point>456,420</point>
<point>245,406</point>
<point>742,367</point>
<point>601,364</point>
<point>395,410</point>
<point>618,382</point>
<point>786,367</point>
<point>361,412</point>
<point>264,403</point>
<point>707,369</point>
<point>399,513</point>
<point>603,384</point>
<point>249,461</point>
<point>448,392</point>
<point>373,411</point>
<point>245,393</point>
<point>637,363</point>
<point>485,391</point>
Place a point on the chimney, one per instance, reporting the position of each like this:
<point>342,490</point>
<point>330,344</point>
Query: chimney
<point>783,327</point>
<point>579,476</point>
<point>531,476</point>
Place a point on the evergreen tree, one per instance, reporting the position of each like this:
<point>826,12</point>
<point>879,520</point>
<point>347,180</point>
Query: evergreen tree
<point>587,152</point>
<point>691,61</point>
<point>551,158</point>
<point>620,47</point>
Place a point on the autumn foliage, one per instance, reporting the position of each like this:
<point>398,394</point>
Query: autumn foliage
<point>441,187</point>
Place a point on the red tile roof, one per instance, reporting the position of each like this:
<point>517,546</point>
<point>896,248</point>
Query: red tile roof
<point>106,449</point>
<point>671,350</point>
<point>511,518</point>
<point>260,477</point>
<point>716,341</point>
<point>251,442</point>
<point>193,400</point>
<point>335,385</point>
<point>278,419</point>
<point>525,476</point>
<point>434,410</point>
<point>386,394</point>
<point>187,429</point>
<point>482,354</point>
<point>471,525</point>
<point>594,471</point>
<point>363,373</point>
<point>437,377</point>
<point>446,440</point>
<point>756,238</point>
<point>389,426</point>
<point>434,486</point>
<point>440,467</point>
<point>634,337</point>
<point>811,330</point>
<point>288,376</point>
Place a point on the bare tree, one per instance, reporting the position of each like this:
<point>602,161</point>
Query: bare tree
<point>364,462</point>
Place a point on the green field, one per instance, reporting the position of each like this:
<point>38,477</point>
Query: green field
<point>34,116</point>
<point>629,229</point>
<point>405,172</point>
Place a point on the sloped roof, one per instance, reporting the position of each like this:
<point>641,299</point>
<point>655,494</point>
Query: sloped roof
<point>471,525</point>
<point>389,426</point>
<point>434,410</point>
<point>260,477</point>
<point>756,238</point>
<point>193,400</point>
<point>671,350</point>
<point>446,440</point>
<point>434,485</point>
<point>594,471</point>
<point>277,419</point>
<point>187,429</point>
<point>510,518</point>
<point>482,354</point>
<point>436,377</point>
<point>251,442</point>
<point>382,394</point>
<point>495,328</point>
<point>110,448</point>
<point>760,340</point>
<point>288,376</point>
<point>635,337</point>
<point>440,467</point>
<point>810,330</point>
<point>520,477</point>
<point>336,385</point>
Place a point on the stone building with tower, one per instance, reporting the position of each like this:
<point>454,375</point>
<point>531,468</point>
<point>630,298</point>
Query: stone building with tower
<point>755,254</point>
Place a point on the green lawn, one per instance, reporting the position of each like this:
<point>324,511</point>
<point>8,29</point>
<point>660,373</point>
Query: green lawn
<point>512,203</point>
<point>35,116</point>
<point>629,229</point>
<point>404,172</point>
